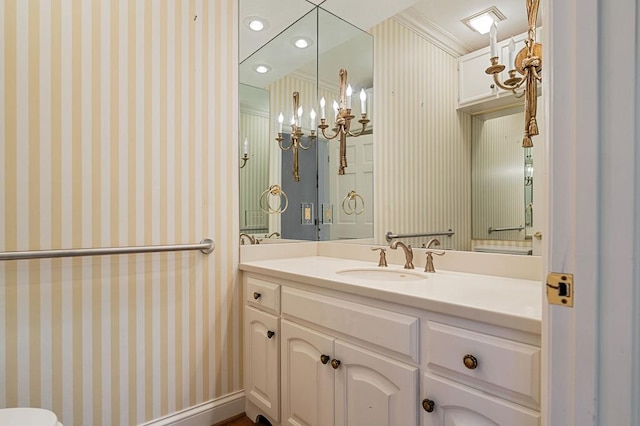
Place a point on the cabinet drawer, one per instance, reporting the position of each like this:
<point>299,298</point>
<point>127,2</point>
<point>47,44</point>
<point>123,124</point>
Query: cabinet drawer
<point>455,404</point>
<point>262,294</point>
<point>504,367</point>
<point>390,330</point>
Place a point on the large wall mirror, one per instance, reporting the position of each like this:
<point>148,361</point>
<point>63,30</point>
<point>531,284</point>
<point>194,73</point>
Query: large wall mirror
<point>436,167</point>
<point>503,177</point>
<point>299,195</point>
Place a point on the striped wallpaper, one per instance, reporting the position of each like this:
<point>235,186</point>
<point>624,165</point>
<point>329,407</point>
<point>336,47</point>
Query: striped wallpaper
<point>118,127</point>
<point>254,125</point>
<point>498,176</point>
<point>422,149</point>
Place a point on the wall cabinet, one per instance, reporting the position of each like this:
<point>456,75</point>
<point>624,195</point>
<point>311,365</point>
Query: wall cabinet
<point>355,361</point>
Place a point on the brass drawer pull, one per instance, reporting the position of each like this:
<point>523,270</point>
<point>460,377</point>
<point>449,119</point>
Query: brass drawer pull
<point>335,364</point>
<point>270,334</point>
<point>256,295</point>
<point>470,361</point>
<point>324,359</point>
<point>428,405</point>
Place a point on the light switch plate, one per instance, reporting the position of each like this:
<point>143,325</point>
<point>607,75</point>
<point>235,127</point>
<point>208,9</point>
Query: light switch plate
<point>307,213</point>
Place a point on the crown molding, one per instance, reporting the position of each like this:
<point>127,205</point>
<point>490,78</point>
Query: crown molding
<point>415,21</point>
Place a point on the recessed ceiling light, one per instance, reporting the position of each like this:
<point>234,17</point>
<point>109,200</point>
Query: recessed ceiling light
<point>262,69</point>
<point>481,22</point>
<point>302,42</point>
<point>255,23</point>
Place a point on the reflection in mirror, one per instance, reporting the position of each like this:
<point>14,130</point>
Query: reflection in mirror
<point>502,179</point>
<point>254,129</point>
<point>314,212</point>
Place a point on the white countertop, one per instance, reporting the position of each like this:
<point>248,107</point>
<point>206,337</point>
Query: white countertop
<point>511,302</point>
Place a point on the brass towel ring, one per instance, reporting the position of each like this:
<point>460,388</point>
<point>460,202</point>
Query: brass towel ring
<point>276,192</point>
<point>352,203</point>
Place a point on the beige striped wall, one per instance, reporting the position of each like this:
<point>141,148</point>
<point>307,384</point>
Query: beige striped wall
<point>422,176</point>
<point>118,127</point>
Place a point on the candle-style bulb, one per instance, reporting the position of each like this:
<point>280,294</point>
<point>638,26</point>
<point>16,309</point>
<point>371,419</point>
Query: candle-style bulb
<point>512,50</point>
<point>493,40</point>
<point>363,101</point>
<point>312,115</point>
<point>349,93</point>
<point>335,109</point>
<point>322,103</point>
<point>280,121</point>
<point>245,147</point>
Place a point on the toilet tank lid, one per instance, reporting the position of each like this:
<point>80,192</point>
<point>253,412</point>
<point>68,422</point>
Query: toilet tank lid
<point>22,416</point>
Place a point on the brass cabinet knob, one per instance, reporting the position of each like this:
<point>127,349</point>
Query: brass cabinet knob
<point>270,334</point>
<point>335,364</point>
<point>538,235</point>
<point>256,295</point>
<point>428,405</point>
<point>324,359</point>
<point>470,361</point>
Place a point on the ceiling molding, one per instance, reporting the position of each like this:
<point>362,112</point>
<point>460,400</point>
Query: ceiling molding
<point>415,21</point>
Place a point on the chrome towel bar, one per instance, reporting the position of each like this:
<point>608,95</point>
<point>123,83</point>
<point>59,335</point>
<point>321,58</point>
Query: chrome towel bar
<point>206,246</point>
<point>513,228</point>
<point>390,236</point>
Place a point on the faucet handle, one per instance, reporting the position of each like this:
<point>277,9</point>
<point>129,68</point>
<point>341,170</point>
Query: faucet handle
<point>432,242</point>
<point>383,255</point>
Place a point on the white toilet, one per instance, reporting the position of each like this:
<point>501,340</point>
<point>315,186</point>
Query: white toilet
<point>28,417</point>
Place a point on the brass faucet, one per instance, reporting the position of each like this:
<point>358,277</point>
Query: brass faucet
<point>429,266</point>
<point>251,238</point>
<point>408,253</point>
<point>273,234</point>
<point>383,255</point>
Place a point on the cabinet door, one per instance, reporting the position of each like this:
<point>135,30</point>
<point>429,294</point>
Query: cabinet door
<point>261,361</point>
<point>457,405</point>
<point>474,83</point>
<point>307,376</point>
<point>373,390</point>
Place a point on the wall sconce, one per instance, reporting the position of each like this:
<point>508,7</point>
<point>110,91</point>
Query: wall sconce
<point>343,118</point>
<point>528,62</point>
<point>245,153</point>
<point>296,133</point>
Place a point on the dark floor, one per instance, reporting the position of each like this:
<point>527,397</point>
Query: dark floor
<point>244,421</point>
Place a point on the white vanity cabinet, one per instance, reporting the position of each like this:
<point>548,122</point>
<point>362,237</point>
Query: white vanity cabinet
<point>352,359</point>
<point>329,377</point>
<point>475,378</point>
<point>262,345</point>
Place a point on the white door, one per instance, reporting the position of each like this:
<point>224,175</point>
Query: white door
<point>352,218</point>
<point>307,376</point>
<point>373,390</point>
<point>261,363</point>
<point>453,404</point>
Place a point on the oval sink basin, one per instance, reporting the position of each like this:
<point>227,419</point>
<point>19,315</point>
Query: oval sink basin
<point>383,274</point>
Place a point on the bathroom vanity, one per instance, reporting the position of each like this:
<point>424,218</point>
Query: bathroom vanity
<point>331,341</point>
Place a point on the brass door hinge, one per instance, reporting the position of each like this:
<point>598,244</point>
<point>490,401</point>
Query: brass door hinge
<point>560,289</point>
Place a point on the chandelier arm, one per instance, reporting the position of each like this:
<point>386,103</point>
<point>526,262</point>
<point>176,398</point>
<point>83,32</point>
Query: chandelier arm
<point>301,146</point>
<point>280,139</point>
<point>329,137</point>
<point>504,86</point>
<point>355,135</point>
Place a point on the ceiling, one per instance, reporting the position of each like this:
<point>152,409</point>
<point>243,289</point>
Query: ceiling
<point>440,19</point>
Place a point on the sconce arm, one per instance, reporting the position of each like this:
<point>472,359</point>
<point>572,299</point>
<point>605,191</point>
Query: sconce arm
<point>280,139</point>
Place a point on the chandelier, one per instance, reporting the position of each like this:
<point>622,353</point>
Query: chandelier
<point>528,63</point>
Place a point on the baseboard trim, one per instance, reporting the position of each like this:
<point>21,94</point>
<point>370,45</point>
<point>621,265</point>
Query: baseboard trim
<point>205,414</point>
